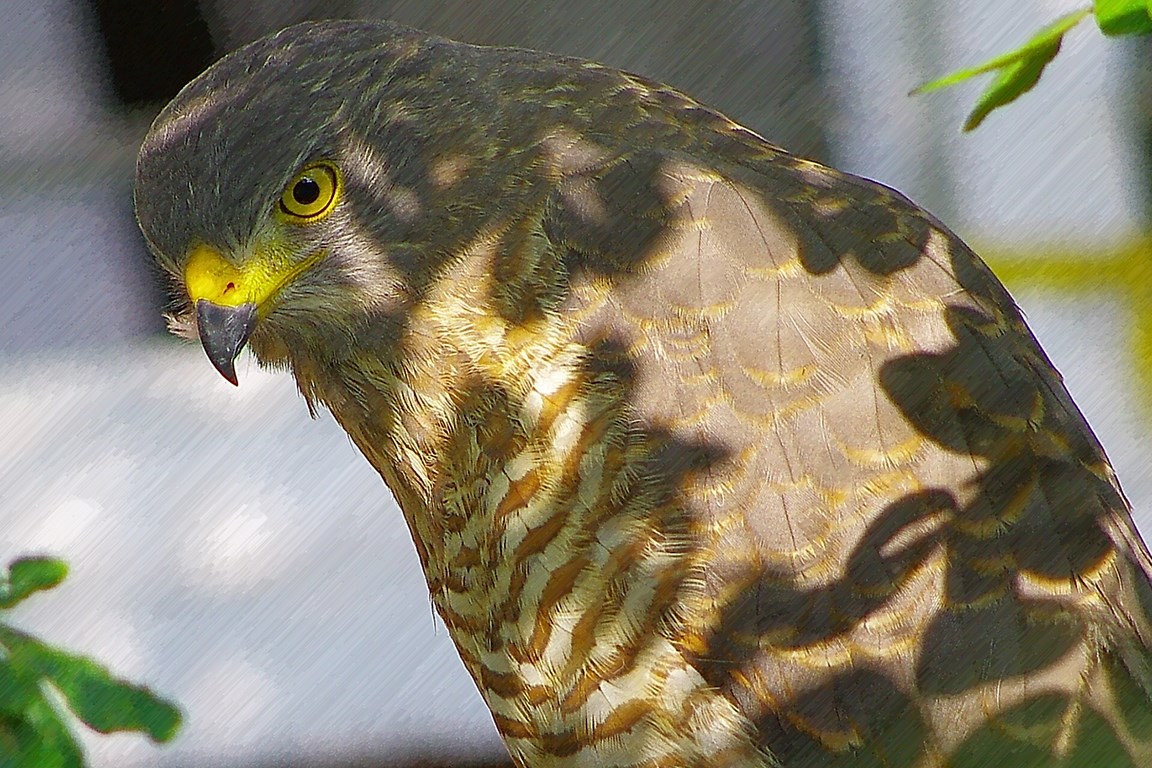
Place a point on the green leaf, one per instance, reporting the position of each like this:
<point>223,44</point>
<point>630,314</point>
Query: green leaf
<point>30,574</point>
<point>1012,82</point>
<point>1124,17</point>
<point>103,702</point>
<point>38,739</point>
<point>32,734</point>
<point>18,690</point>
<point>1040,44</point>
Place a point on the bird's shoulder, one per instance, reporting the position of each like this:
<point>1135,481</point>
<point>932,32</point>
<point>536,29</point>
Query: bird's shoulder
<point>898,486</point>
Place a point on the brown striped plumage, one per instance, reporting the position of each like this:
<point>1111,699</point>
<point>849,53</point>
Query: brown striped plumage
<point>712,456</point>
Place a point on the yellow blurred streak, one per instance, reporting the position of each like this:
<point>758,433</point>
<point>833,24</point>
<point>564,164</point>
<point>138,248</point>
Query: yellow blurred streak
<point>1124,271</point>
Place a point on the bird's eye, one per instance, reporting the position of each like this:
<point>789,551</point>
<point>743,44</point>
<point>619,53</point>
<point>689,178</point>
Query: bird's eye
<point>311,194</point>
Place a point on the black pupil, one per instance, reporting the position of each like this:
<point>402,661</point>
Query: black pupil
<point>306,191</point>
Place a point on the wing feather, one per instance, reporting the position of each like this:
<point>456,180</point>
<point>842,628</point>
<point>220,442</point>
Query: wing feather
<point>916,548</point>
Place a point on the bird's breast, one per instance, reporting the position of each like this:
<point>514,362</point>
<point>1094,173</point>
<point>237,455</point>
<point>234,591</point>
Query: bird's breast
<point>561,569</point>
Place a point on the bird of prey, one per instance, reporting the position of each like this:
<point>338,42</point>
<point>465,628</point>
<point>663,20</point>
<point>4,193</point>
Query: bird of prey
<point>713,456</point>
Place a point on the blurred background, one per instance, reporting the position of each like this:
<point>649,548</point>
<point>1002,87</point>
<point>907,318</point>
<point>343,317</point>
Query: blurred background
<point>246,561</point>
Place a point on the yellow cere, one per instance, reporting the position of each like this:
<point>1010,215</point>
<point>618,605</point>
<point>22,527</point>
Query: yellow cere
<point>208,275</point>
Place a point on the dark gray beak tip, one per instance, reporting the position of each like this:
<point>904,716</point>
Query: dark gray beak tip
<point>224,331</point>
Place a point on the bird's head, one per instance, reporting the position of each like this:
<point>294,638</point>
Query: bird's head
<point>302,185</point>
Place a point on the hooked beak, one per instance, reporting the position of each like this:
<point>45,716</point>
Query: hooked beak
<point>224,331</point>
<point>230,298</point>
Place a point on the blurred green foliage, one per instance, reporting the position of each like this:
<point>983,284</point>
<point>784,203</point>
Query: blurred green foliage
<point>1019,70</point>
<point>33,733</point>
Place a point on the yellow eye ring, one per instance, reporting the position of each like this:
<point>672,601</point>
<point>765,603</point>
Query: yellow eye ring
<point>312,193</point>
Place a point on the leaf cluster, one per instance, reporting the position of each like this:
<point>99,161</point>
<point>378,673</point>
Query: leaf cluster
<point>1019,70</point>
<point>33,733</point>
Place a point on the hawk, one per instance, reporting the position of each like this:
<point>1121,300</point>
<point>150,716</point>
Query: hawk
<point>713,456</point>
